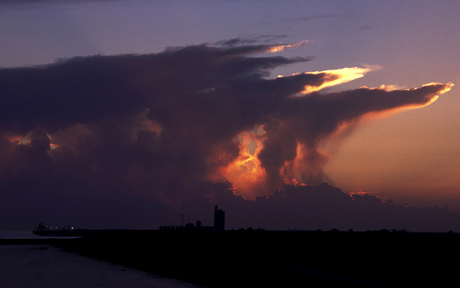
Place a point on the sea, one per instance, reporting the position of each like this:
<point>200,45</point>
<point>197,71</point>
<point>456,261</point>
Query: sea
<point>33,266</point>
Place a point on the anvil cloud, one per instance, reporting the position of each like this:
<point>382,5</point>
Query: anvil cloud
<point>131,140</point>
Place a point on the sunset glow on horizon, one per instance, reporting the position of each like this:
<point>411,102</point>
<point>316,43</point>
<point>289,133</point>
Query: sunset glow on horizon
<point>246,172</point>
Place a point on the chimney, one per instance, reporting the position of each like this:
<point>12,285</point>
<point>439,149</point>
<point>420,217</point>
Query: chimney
<point>219,219</point>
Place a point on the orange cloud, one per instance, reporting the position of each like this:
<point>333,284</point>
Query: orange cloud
<point>429,99</point>
<point>339,76</point>
<point>246,172</point>
<point>279,48</point>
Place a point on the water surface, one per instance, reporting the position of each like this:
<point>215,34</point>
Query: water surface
<point>34,266</point>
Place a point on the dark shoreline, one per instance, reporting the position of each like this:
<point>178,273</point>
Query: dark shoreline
<point>277,258</point>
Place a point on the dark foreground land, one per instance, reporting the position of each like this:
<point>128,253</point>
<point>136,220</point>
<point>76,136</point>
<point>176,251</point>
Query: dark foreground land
<point>280,259</point>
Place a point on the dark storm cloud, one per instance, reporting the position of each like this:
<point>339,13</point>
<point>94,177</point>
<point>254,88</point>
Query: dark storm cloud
<point>87,89</point>
<point>130,140</point>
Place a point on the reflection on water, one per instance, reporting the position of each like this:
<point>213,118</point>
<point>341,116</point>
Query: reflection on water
<point>31,266</point>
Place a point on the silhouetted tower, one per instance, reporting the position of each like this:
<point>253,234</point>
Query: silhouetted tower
<point>219,219</point>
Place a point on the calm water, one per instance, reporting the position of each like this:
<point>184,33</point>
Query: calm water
<point>33,266</point>
<point>24,235</point>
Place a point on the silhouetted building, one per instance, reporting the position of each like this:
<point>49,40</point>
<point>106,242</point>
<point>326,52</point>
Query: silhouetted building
<point>219,219</point>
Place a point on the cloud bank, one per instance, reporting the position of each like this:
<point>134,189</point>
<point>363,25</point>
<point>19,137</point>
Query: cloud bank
<point>133,140</point>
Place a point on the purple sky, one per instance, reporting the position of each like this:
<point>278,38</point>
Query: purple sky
<point>128,114</point>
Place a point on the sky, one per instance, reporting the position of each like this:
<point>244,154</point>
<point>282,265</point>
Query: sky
<point>299,114</point>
